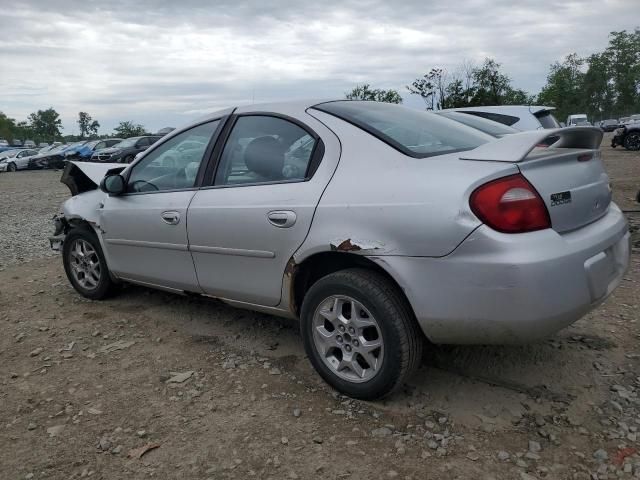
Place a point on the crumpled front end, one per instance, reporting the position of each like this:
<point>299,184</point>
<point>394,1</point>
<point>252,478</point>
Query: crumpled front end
<point>83,180</point>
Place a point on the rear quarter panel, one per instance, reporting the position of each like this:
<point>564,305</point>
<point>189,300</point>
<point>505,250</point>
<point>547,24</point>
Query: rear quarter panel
<point>382,202</point>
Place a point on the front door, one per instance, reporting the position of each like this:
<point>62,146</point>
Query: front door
<point>248,223</point>
<point>145,229</point>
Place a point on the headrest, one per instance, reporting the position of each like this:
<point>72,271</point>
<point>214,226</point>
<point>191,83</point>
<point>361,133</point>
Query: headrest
<point>265,156</point>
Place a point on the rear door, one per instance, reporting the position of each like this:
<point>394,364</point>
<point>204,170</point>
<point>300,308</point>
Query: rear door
<point>257,210</point>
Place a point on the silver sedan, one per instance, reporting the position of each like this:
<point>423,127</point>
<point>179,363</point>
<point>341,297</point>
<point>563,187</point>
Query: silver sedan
<point>378,226</point>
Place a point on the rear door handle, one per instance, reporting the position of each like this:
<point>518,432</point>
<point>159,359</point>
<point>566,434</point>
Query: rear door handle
<point>282,218</point>
<point>171,217</point>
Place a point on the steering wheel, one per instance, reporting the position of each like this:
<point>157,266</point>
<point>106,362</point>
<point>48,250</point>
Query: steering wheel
<point>144,186</point>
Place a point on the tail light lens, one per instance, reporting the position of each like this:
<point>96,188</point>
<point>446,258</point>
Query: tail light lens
<point>510,205</point>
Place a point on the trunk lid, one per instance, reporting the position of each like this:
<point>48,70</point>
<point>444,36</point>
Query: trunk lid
<point>569,175</point>
<point>572,183</point>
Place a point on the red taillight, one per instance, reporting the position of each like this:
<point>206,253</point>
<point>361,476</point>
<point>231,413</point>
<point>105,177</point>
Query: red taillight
<point>510,205</point>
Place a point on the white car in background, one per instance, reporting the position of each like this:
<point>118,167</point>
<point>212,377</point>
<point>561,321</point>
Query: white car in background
<point>520,117</point>
<point>18,159</point>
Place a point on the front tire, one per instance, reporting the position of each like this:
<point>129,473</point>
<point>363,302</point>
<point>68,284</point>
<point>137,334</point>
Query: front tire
<point>11,167</point>
<point>85,265</point>
<point>632,141</point>
<point>360,334</point>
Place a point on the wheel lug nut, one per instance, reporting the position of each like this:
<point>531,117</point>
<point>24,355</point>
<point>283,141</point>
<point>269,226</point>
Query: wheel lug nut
<point>347,348</point>
<point>339,339</point>
<point>352,330</point>
<point>356,343</point>
<point>341,328</point>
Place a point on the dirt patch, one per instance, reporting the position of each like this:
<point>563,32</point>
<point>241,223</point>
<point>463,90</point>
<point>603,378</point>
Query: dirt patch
<point>227,393</point>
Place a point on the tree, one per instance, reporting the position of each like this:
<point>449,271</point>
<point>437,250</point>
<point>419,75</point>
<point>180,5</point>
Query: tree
<point>492,87</point>
<point>468,86</point>
<point>433,88</point>
<point>7,127</point>
<point>623,55</point>
<point>129,129</point>
<point>46,124</point>
<point>565,87</point>
<point>365,92</point>
<point>87,125</point>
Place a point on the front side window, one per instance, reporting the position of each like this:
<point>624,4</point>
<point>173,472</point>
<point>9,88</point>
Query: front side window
<point>265,149</point>
<point>175,163</point>
<point>413,132</point>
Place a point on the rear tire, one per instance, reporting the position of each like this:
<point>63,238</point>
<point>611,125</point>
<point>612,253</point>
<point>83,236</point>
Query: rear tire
<point>128,159</point>
<point>632,141</point>
<point>85,265</point>
<point>344,316</point>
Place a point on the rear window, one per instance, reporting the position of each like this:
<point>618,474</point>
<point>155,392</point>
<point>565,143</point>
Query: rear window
<point>494,129</point>
<point>546,119</point>
<point>413,132</point>
<point>496,117</point>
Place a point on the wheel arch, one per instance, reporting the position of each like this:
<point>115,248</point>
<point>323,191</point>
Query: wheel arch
<point>301,276</point>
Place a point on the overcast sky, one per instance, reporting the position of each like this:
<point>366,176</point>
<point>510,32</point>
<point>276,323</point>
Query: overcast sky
<point>161,62</point>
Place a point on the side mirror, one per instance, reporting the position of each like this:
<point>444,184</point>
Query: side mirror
<point>113,184</point>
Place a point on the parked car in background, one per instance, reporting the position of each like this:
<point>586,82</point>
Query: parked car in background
<point>84,152</point>
<point>628,135</point>
<point>17,143</point>
<point>47,154</point>
<point>495,129</point>
<point>43,144</point>
<point>7,147</point>
<point>17,159</point>
<point>609,125</point>
<point>29,144</point>
<point>164,131</point>
<point>575,119</point>
<point>520,117</point>
<point>126,150</point>
<point>3,143</point>
<point>375,224</point>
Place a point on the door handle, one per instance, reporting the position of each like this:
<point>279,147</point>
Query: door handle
<point>282,218</point>
<point>171,217</point>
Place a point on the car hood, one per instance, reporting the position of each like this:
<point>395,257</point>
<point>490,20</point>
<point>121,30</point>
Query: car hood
<point>81,176</point>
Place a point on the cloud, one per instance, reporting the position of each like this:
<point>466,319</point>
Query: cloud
<point>160,62</point>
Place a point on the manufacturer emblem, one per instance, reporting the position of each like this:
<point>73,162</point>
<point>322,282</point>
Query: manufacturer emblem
<point>560,198</point>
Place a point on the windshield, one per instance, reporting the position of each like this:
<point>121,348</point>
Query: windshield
<point>413,132</point>
<point>495,129</point>
<point>128,142</point>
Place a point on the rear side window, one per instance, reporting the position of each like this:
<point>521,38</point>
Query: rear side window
<point>494,129</point>
<point>413,132</point>
<point>546,119</point>
<point>265,149</point>
<point>496,117</point>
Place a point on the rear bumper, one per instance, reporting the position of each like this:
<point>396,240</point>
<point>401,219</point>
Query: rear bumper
<point>498,288</point>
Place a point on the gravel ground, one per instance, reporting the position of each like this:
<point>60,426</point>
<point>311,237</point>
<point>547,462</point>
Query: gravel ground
<point>211,392</point>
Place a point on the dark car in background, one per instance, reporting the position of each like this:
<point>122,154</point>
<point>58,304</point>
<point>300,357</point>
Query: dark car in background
<point>609,125</point>
<point>47,155</point>
<point>628,136</point>
<point>126,150</point>
<point>84,152</point>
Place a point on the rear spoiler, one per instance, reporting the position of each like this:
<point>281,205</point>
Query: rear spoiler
<point>516,147</point>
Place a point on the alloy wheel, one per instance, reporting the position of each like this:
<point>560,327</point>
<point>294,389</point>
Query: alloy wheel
<point>85,264</point>
<point>348,338</point>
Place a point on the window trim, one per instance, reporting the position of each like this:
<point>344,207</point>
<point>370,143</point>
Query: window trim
<point>381,136</point>
<point>317,154</point>
<point>206,156</point>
